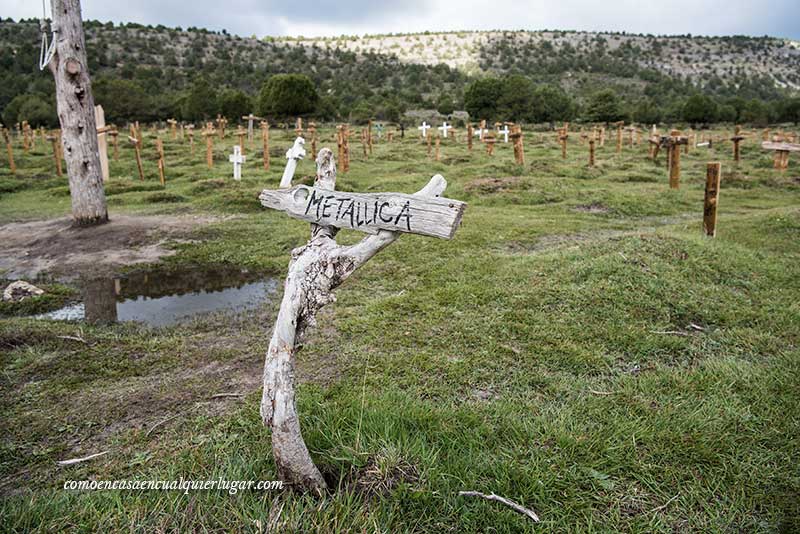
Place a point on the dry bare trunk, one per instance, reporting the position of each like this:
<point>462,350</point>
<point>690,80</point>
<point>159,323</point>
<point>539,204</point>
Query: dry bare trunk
<point>316,269</point>
<point>76,114</point>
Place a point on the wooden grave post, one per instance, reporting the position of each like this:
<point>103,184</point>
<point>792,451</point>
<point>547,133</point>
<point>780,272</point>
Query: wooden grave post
<point>438,141</point>
<point>562,138</point>
<point>489,139</point>
<point>369,136</point>
<point>602,136</point>
<point>173,128</point>
<point>102,142</point>
<point>519,149</point>
<point>56,153</point>
<point>115,141</point>
<point>674,142</point>
<point>160,154</point>
<point>316,270</point>
<point>312,131</point>
<point>10,151</point>
<point>713,173</point>
<point>781,158</point>
<point>298,127</point>
<point>364,142</point>
<point>240,133</point>
<point>428,139</point>
<point>619,126</point>
<point>470,133</point>
<point>591,152</point>
<point>737,138</point>
<point>250,118</point>
<point>137,147</point>
<point>265,142</point>
<point>209,135</point>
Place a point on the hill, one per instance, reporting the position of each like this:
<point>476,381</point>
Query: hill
<point>148,73</point>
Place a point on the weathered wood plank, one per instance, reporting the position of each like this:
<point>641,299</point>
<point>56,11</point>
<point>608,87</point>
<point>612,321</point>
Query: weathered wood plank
<point>785,147</point>
<point>713,174</point>
<point>368,212</point>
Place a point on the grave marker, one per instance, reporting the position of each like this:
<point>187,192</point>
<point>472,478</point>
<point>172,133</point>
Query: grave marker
<point>444,128</point>
<point>424,129</point>
<point>237,158</point>
<point>102,143</point>
<point>505,131</point>
<point>470,133</point>
<point>173,128</point>
<point>713,173</point>
<point>137,148</point>
<point>265,142</point>
<point>240,133</point>
<point>10,151</point>
<point>293,156</point>
<point>320,266</point>
<point>250,118</point>
<point>489,140</point>
<point>56,153</point>
<point>209,135</point>
<point>519,150</point>
<point>673,143</point>
<point>591,152</point>
<point>160,154</point>
<point>737,138</point>
<point>781,159</point>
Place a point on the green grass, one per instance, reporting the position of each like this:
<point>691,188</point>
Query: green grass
<point>529,357</point>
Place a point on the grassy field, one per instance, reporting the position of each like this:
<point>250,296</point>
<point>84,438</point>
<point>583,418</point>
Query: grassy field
<point>579,347</point>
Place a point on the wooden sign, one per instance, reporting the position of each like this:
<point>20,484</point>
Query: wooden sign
<point>368,212</point>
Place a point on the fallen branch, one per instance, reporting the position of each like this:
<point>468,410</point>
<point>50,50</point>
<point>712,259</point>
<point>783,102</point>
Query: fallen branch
<point>502,500</point>
<point>594,391</point>
<point>84,459</point>
<point>223,395</point>
<point>669,332</point>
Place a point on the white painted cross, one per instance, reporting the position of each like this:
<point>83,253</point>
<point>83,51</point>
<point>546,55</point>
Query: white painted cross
<point>237,159</point>
<point>424,128</point>
<point>478,132</point>
<point>505,131</point>
<point>293,155</point>
<point>443,128</point>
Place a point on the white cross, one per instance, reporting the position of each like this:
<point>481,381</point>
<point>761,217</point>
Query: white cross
<point>424,128</point>
<point>479,132</point>
<point>505,131</point>
<point>293,155</point>
<point>237,159</point>
<point>443,128</point>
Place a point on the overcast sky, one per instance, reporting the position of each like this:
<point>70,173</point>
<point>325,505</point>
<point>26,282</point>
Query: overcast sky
<point>780,18</point>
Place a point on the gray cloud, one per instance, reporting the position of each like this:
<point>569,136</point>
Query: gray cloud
<point>335,17</point>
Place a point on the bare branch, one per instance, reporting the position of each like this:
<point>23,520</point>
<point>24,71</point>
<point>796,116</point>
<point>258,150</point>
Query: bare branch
<point>502,500</point>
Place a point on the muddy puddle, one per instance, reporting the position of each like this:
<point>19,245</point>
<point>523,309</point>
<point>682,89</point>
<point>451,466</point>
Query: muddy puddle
<point>166,298</point>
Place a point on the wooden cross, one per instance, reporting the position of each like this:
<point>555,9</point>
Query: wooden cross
<point>160,154</point>
<point>114,141</point>
<point>713,173</point>
<point>470,133</point>
<point>489,140</point>
<point>619,126</point>
<point>222,122</point>
<point>240,133</point>
<point>137,147</point>
<point>591,153</point>
<point>102,142</point>
<point>209,135</point>
<point>312,131</point>
<point>250,118</point>
<point>369,136</point>
<point>562,138</point>
<point>190,134</point>
<point>781,152</point>
<point>173,126</point>
<point>317,269</point>
<point>737,138</point>
<point>519,149</point>
<point>10,152</point>
<point>673,143</point>
<point>237,158</point>
<point>298,128</point>
<point>56,153</point>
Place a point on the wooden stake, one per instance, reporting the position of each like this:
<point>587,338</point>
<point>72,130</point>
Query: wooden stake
<point>674,161</point>
<point>713,174</point>
<point>591,152</point>
<point>265,143</point>
<point>160,153</point>
<point>438,141</point>
<point>10,152</point>
<point>137,147</point>
<point>470,134</point>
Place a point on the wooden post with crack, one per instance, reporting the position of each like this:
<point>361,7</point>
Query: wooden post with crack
<point>316,270</point>
<point>713,173</point>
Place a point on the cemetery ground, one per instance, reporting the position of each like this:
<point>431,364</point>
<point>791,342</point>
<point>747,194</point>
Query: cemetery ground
<point>579,348</point>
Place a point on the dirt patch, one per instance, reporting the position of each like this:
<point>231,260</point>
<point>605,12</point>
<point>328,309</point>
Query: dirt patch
<point>55,247</point>
<point>493,185</point>
<point>557,241</point>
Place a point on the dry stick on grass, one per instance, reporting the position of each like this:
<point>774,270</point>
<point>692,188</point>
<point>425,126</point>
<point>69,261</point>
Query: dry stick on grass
<point>224,395</point>
<point>502,500</point>
<point>84,459</point>
<point>659,508</point>
<point>152,428</point>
